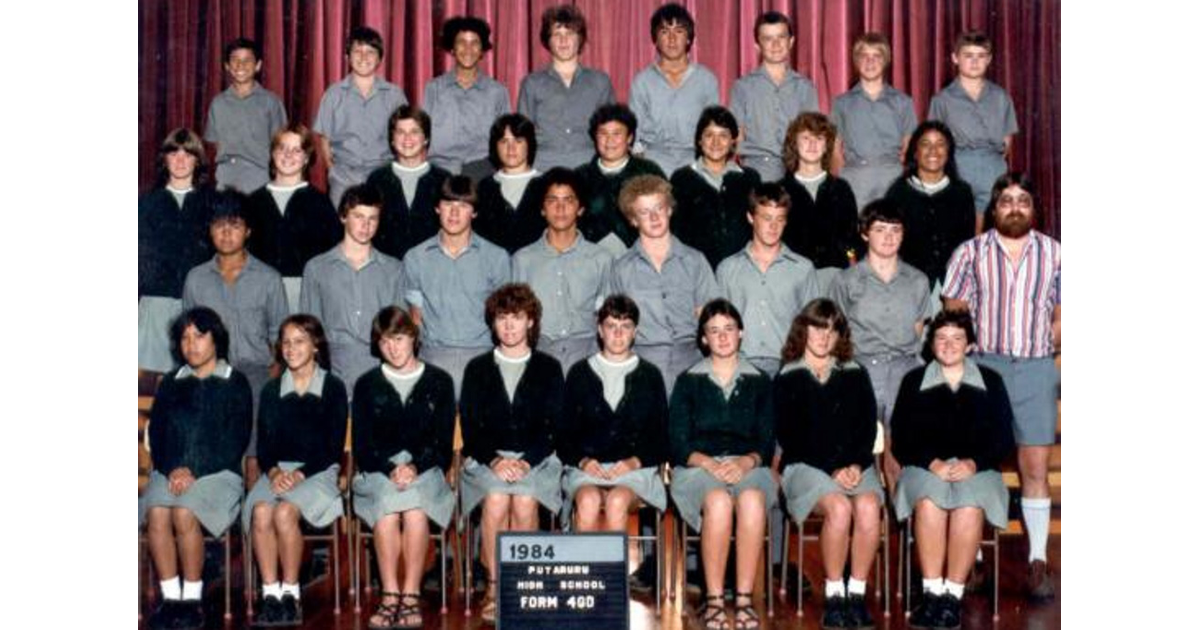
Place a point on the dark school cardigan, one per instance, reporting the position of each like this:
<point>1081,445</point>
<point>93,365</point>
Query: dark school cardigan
<point>401,225</point>
<point>823,230</point>
<point>384,426</point>
<point>934,225</point>
<point>309,429</point>
<point>710,220</point>
<point>602,215</point>
<point>172,240</point>
<point>201,424</point>
<point>502,224</point>
<point>490,422</point>
<point>827,426</point>
<point>307,227</point>
<point>701,420</point>
<point>588,427</point>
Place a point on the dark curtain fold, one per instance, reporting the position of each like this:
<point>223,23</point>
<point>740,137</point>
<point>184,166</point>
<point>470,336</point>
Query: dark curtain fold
<point>180,71</point>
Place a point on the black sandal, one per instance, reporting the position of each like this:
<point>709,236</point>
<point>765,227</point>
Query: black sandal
<point>713,616</point>
<point>745,617</point>
<point>487,612</point>
<point>410,608</point>
<point>390,613</point>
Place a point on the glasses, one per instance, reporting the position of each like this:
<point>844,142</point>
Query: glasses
<point>1024,201</point>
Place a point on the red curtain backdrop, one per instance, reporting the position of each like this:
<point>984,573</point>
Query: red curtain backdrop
<point>179,54</point>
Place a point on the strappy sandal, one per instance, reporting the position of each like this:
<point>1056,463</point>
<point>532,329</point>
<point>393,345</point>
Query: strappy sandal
<point>389,613</point>
<point>488,611</point>
<point>409,609</point>
<point>713,615</point>
<point>745,617</point>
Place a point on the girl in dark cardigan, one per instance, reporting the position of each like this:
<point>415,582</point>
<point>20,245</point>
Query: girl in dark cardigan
<point>199,428</point>
<point>612,433</point>
<point>403,444</point>
<point>951,429</point>
<point>302,430</point>
<point>712,195</point>
<point>290,221</point>
<point>722,440</point>
<point>507,223</point>
<point>511,399</point>
<point>825,422</point>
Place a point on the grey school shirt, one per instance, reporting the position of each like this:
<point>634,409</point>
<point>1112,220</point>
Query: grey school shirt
<point>357,127</point>
<point>872,131</point>
<point>451,292</point>
<point>561,113</point>
<point>242,129</point>
<point>976,125</point>
<point>346,301</point>
<point>765,110</point>
<point>667,116</point>
<point>668,299</point>
<point>882,315</point>
<point>462,118</point>
<point>571,284</point>
<point>252,308</point>
<point>768,301</point>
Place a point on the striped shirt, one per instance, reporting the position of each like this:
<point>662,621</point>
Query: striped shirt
<point>1011,302</point>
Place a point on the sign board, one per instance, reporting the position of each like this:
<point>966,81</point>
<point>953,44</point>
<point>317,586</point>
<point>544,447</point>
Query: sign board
<point>562,581</point>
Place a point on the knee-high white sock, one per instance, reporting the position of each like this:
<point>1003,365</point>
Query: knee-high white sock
<point>1037,521</point>
<point>193,590</point>
<point>170,588</point>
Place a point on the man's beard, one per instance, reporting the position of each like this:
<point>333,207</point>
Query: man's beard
<point>1015,225</point>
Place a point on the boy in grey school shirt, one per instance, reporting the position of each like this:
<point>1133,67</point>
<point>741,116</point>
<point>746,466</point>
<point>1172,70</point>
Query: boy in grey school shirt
<point>668,95</point>
<point>669,281</point>
<point>874,121</point>
<point>569,274</point>
<point>767,282</point>
<point>447,280</point>
<point>770,97</point>
<point>248,295</point>
<point>353,114</point>
<point>242,120</point>
<point>885,301</point>
<point>464,100</point>
<point>348,285</point>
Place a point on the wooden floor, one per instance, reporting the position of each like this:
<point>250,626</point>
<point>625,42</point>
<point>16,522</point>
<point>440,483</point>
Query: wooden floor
<point>1015,612</point>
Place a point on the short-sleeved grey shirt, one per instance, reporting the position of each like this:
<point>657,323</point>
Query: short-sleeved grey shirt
<point>252,308</point>
<point>462,118</point>
<point>571,285</point>
<point>872,131</point>
<point>765,110</point>
<point>981,124</point>
<point>667,116</point>
<point>242,129</point>
<point>882,315</point>
<point>767,301</point>
<point>561,113</point>
<point>451,292</point>
<point>346,301</point>
<point>668,300</point>
<point>357,127</point>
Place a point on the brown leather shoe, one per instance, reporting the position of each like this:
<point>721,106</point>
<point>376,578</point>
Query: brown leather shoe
<point>1039,586</point>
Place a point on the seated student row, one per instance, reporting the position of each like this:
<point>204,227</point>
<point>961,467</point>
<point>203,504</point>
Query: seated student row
<point>518,415</point>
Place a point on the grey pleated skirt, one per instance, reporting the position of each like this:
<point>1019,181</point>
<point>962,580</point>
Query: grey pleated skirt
<point>804,485</point>
<point>984,490</point>
<point>689,485</point>
<point>317,497</point>
<point>646,483</point>
<point>155,315</point>
<point>214,499</point>
<point>543,482</point>
<point>375,496</point>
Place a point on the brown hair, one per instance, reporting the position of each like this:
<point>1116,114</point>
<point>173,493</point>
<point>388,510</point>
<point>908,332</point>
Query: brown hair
<point>641,186</point>
<point>567,15</point>
<point>390,321</point>
<point>316,333</point>
<point>820,313</point>
<point>973,38</point>
<point>815,123</point>
<point>186,139</point>
<point>514,297</point>
<point>306,144</point>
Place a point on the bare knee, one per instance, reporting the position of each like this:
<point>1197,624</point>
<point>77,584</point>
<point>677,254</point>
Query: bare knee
<point>525,509</point>
<point>866,511</point>
<point>496,507</point>
<point>183,520</point>
<point>263,517</point>
<point>718,505</point>
<point>287,516</point>
<point>587,502</point>
<point>618,501</point>
<point>837,510</point>
<point>158,522</point>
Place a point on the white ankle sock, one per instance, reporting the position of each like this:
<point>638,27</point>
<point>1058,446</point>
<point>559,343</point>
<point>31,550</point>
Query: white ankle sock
<point>1037,521</point>
<point>193,590</point>
<point>170,588</point>
<point>856,587</point>
<point>272,590</point>
<point>933,586</point>
<point>835,588</point>
<point>954,589</point>
<point>293,589</point>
